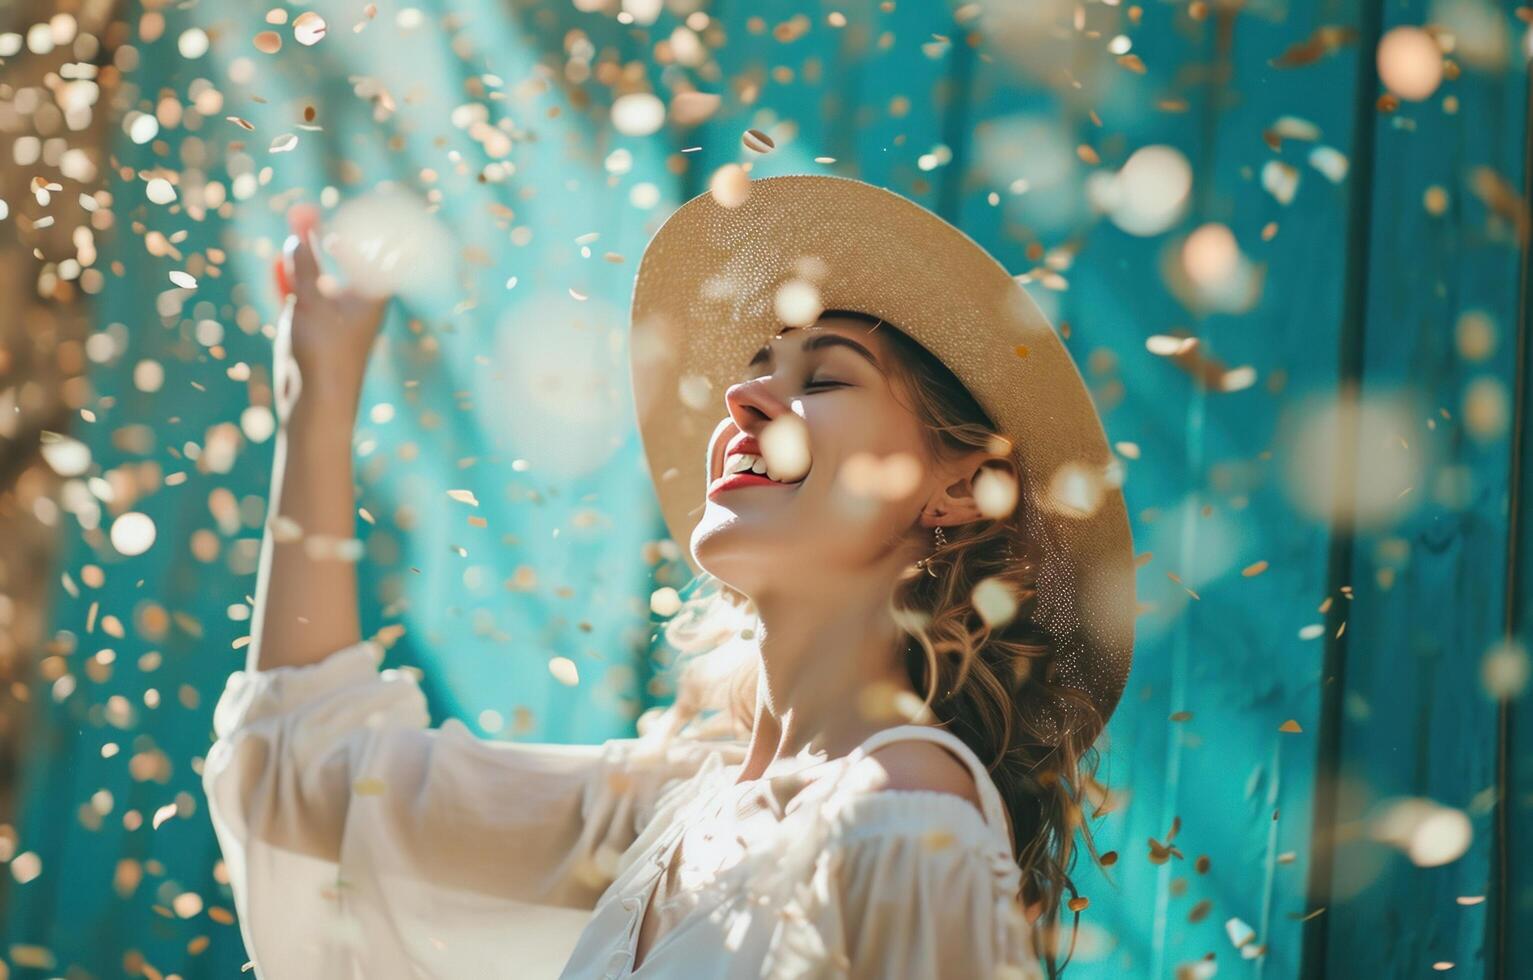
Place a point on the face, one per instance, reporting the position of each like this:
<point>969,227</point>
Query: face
<point>822,405</point>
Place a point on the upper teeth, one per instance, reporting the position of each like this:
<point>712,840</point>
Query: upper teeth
<point>746,462</point>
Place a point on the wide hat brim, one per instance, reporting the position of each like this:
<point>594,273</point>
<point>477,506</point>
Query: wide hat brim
<point>704,301</point>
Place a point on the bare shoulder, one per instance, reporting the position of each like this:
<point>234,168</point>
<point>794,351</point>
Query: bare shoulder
<point>913,764</point>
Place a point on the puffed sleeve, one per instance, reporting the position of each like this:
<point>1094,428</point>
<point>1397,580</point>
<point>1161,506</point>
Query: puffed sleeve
<point>911,892</point>
<point>352,832</point>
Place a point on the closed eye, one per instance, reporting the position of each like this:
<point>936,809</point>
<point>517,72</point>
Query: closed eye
<point>825,384</point>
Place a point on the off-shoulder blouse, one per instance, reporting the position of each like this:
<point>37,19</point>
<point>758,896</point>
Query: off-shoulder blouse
<point>361,842</point>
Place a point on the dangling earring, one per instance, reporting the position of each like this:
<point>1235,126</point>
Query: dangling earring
<point>940,536</point>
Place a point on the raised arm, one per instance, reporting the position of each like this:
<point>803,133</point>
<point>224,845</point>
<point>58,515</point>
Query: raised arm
<point>306,585</point>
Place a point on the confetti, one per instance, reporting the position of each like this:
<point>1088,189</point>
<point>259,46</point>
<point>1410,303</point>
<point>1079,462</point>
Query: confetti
<point>730,185</point>
<point>133,533</point>
<point>308,28</point>
<point>757,141</point>
<point>797,303</point>
<point>25,867</point>
<point>637,114</point>
<point>1148,194</point>
<point>1410,63</point>
<point>785,448</point>
<point>995,601</point>
<point>1428,833</point>
<point>564,671</point>
<point>693,108</point>
<point>664,601</point>
<point>1504,671</point>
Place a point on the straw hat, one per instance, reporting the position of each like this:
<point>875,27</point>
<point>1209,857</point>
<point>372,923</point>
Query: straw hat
<point>705,299</point>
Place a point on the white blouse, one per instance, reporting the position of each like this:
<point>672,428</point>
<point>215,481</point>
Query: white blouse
<point>359,842</point>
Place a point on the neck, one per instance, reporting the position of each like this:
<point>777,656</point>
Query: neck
<point>829,670</point>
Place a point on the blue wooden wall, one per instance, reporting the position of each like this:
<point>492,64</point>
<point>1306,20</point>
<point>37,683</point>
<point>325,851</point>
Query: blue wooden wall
<point>1296,669</point>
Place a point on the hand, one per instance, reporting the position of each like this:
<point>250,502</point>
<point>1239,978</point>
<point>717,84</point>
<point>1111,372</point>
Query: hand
<point>326,330</point>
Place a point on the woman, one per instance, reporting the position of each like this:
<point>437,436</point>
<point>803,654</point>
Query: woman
<point>909,506</point>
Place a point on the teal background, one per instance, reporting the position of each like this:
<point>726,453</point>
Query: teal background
<point>1362,289</point>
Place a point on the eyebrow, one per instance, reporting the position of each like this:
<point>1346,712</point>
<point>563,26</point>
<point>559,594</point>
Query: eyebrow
<point>819,342</point>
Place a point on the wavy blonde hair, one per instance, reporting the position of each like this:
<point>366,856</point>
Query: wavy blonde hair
<point>992,685</point>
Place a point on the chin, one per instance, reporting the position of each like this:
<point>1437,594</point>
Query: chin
<point>740,555</point>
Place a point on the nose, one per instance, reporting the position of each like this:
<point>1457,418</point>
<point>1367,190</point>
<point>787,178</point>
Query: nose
<point>752,404</point>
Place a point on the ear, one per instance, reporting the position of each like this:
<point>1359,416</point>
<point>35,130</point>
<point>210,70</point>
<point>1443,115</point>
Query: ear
<point>953,503</point>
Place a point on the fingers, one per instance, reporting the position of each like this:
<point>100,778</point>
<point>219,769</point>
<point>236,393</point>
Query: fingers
<point>302,218</point>
<point>300,252</point>
<point>279,276</point>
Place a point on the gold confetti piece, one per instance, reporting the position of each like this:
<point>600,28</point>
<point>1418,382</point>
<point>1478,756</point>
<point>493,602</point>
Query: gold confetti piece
<point>1504,670</point>
<point>283,143</point>
<point>160,191</point>
<point>637,114</point>
<point>757,141</point>
<point>665,601</point>
<point>308,28</point>
<point>693,108</point>
<point>133,533</point>
<point>163,814</point>
<point>1181,715</point>
<point>1254,569</point>
<point>730,185</point>
<point>30,956</point>
<point>184,280</point>
<point>464,497</point>
<point>267,42</point>
<point>1323,41</point>
<point>369,786</point>
<point>1290,726</point>
<point>1410,62</point>
<point>1162,345</point>
<point>564,671</point>
<point>995,601</point>
<point>1178,580</point>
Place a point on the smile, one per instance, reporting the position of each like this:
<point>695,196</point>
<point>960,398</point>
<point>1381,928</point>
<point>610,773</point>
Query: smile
<point>732,481</point>
<point>745,469</point>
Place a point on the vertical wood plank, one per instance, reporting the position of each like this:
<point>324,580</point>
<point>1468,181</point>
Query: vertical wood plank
<point>1437,321</point>
<point>1223,658</point>
<point>1511,879</point>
